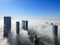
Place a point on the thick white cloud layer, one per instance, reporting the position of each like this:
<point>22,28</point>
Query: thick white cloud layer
<point>38,26</point>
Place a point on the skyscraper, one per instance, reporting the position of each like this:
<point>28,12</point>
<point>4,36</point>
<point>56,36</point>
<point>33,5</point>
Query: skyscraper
<point>17,27</point>
<point>7,26</point>
<point>25,25</point>
<point>55,32</point>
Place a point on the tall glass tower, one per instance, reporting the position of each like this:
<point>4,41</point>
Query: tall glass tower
<point>7,26</point>
<point>25,25</point>
<point>55,32</point>
<point>17,27</point>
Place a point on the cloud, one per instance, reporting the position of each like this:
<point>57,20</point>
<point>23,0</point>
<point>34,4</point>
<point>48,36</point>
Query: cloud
<point>38,26</point>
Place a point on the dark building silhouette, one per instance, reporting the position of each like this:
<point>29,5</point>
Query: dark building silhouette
<point>55,32</point>
<point>7,26</point>
<point>36,40</point>
<point>25,25</point>
<point>17,27</point>
<point>51,23</point>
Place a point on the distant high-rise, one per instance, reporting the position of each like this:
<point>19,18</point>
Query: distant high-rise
<point>36,40</point>
<point>55,32</point>
<point>17,27</point>
<point>25,25</point>
<point>7,26</point>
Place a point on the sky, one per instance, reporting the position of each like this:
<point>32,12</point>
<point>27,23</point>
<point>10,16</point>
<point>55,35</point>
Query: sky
<point>35,9</point>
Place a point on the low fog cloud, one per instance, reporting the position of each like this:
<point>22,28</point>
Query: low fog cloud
<point>40,28</point>
<point>22,39</point>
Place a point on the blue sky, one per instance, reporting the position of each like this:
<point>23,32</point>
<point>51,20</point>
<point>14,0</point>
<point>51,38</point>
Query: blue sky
<point>30,8</point>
